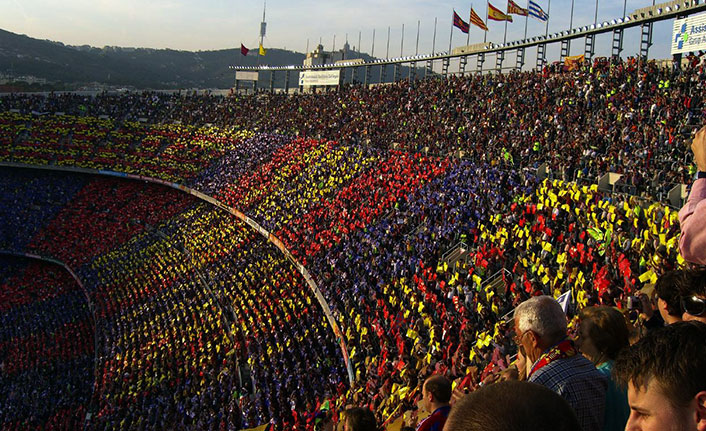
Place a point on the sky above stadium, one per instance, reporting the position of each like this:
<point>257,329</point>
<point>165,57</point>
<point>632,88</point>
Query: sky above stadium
<point>218,24</point>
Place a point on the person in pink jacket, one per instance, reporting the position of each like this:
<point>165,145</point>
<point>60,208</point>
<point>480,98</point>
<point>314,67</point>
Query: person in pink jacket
<point>692,216</point>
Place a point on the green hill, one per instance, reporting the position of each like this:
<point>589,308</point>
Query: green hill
<point>141,68</point>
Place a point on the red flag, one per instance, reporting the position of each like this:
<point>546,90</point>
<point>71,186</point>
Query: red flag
<point>243,49</point>
<point>461,24</point>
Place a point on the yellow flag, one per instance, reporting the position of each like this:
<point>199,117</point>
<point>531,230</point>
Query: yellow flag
<point>263,51</point>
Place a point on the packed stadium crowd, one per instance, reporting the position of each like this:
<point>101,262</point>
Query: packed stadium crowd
<point>46,334</point>
<point>366,189</point>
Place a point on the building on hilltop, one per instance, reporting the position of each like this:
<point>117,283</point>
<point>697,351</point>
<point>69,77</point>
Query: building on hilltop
<point>319,57</point>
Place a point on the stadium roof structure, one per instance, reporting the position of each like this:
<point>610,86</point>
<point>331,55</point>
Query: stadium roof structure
<point>644,17</point>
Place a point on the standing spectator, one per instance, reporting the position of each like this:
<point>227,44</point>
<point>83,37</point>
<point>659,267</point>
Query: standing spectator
<point>603,333</point>
<point>667,291</point>
<point>665,373</point>
<point>540,328</point>
<point>693,215</point>
<point>693,296</point>
<point>512,406</point>
<point>359,419</point>
<point>436,394</point>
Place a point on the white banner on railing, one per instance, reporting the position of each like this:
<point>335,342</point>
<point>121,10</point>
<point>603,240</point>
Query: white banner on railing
<point>247,76</point>
<point>320,77</point>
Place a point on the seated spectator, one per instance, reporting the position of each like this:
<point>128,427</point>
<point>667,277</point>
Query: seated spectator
<point>668,301</point>
<point>693,296</point>
<point>692,216</point>
<point>436,394</point>
<point>665,373</point>
<point>512,406</point>
<point>554,362</point>
<point>603,333</point>
<point>359,419</point>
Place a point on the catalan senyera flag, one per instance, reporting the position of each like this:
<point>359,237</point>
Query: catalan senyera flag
<point>460,24</point>
<point>496,14</point>
<point>263,51</point>
<point>475,20</point>
<point>514,8</point>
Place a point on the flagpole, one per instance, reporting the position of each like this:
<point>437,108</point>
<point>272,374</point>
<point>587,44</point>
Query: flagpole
<point>507,5</point>
<point>416,49</point>
<point>468,36</point>
<point>433,41</point>
<point>549,9</point>
<point>402,41</point>
<point>485,36</point>
<point>372,51</point>
<point>387,53</point>
<point>451,36</point>
<point>526,20</point>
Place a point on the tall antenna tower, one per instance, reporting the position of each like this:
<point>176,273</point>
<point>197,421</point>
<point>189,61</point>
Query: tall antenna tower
<point>263,30</point>
<point>263,24</point>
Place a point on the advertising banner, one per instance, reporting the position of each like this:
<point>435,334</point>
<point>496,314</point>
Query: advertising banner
<point>319,77</point>
<point>246,76</point>
<point>689,34</point>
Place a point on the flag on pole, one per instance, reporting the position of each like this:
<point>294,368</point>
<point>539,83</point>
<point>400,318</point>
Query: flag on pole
<point>496,14</point>
<point>514,8</point>
<point>263,51</point>
<point>477,21</point>
<point>243,49</point>
<point>461,24</point>
<point>536,11</point>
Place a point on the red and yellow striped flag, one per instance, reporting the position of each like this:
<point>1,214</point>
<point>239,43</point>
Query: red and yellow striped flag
<point>475,20</point>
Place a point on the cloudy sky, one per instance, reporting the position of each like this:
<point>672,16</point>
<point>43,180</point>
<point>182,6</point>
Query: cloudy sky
<point>218,24</point>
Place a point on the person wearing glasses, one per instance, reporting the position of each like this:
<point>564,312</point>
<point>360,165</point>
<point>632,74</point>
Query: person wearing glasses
<point>551,360</point>
<point>665,374</point>
<point>693,296</point>
<point>692,216</point>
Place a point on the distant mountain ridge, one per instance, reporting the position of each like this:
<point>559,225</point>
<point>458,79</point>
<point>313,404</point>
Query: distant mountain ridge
<point>140,68</point>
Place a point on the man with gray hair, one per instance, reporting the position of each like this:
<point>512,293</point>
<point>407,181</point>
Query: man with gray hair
<point>548,357</point>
